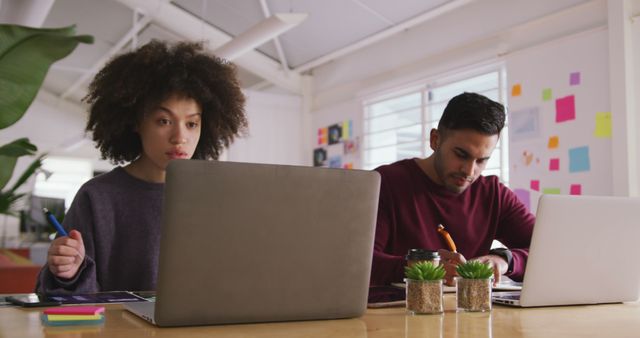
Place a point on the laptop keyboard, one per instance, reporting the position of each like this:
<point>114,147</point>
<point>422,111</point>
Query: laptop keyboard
<point>513,296</point>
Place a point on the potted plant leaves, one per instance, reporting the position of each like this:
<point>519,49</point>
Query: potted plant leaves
<point>26,54</point>
<point>473,286</point>
<point>424,288</point>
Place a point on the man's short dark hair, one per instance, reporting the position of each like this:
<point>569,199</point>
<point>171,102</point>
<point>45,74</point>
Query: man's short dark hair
<point>473,111</point>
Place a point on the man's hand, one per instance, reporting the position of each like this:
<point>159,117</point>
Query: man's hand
<point>450,260</point>
<point>498,263</point>
<point>66,255</point>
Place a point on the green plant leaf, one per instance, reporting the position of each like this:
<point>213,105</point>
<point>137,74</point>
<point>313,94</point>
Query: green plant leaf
<point>474,270</point>
<point>17,148</point>
<point>9,198</point>
<point>9,154</point>
<point>25,57</point>
<point>7,201</point>
<point>424,271</point>
<point>37,163</point>
<point>7,165</point>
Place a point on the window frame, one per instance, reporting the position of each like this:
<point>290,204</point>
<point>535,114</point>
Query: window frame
<point>426,86</point>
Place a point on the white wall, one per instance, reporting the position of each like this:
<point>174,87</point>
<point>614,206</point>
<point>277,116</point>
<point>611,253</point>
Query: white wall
<point>56,127</point>
<point>347,110</point>
<point>533,119</point>
<point>636,78</point>
<point>458,40</point>
<point>275,130</point>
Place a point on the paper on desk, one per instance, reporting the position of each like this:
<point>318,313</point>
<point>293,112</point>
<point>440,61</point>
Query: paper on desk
<point>504,285</point>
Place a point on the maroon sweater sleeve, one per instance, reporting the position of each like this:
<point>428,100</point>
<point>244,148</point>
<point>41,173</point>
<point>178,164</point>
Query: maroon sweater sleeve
<point>515,228</point>
<point>386,267</point>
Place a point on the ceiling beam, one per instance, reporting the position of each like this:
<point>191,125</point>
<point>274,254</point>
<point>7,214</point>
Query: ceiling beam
<point>131,34</point>
<point>424,17</point>
<point>276,40</point>
<point>190,27</point>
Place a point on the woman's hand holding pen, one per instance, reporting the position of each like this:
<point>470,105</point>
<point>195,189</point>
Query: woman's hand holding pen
<point>450,260</point>
<point>66,254</point>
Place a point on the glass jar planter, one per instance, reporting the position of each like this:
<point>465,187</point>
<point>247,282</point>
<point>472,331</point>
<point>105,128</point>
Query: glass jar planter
<point>473,295</point>
<point>424,296</point>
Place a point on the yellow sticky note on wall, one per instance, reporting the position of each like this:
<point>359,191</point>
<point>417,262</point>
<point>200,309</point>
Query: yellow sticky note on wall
<point>603,125</point>
<point>516,90</point>
<point>553,142</point>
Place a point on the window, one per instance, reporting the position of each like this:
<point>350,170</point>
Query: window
<point>397,125</point>
<point>66,175</point>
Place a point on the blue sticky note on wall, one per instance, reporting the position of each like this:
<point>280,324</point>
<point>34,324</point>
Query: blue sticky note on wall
<point>579,159</point>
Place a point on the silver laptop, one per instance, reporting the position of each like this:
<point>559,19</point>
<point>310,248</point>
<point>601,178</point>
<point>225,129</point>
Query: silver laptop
<point>248,243</point>
<point>583,251</point>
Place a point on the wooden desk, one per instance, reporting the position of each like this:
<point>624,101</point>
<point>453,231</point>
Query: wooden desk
<point>617,320</point>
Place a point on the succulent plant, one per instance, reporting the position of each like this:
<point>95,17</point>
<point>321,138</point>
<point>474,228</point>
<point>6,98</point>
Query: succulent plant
<point>424,271</point>
<point>475,270</point>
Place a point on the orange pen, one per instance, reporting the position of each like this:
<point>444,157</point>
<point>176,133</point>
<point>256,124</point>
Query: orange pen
<point>447,238</point>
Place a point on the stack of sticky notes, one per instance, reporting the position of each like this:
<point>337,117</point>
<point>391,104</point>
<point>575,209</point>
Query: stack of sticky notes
<point>73,315</point>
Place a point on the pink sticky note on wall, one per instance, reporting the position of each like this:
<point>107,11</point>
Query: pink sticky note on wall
<point>554,164</point>
<point>565,109</point>
<point>576,189</point>
<point>535,185</point>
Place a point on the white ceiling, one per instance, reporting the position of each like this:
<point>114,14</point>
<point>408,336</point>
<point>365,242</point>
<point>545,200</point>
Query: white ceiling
<point>343,43</point>
<point>333,30</point>
<point>332,26</point>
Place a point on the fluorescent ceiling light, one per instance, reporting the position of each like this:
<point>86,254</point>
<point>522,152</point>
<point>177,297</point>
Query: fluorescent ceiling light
<point>259,34</point>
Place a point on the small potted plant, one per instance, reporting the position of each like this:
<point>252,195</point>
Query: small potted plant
<point>473,286</point>
<point>424,287</point>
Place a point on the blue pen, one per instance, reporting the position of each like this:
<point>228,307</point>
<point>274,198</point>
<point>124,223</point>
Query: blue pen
<point>52,219</point>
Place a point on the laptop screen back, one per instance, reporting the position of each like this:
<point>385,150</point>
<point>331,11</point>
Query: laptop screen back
<point>255,243</point>
<point>583,251</point>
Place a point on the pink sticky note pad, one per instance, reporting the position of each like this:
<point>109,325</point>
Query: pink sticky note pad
<point>535,185</point>
<point>565,108</point>
<point>74,310</point>
<point>554,164</point>
<point>576,189</point>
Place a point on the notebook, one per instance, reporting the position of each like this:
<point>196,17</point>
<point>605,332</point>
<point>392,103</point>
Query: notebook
<point>583,251</point>
<point>248,243</point>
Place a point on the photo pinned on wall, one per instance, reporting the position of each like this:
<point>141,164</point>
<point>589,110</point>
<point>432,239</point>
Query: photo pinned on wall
<point>528,158</point>
<point>322,136</point>
<point>336,145</point>
<point>335,134</point>
<point>335,162</point>
<point>350,146</point>
<point>319,157</point>
<point>525,124</point>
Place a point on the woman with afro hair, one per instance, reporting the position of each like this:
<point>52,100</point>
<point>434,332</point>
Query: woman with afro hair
<point>147,107</point>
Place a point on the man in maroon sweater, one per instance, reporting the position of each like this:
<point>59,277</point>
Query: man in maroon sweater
<point>446,188</point>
